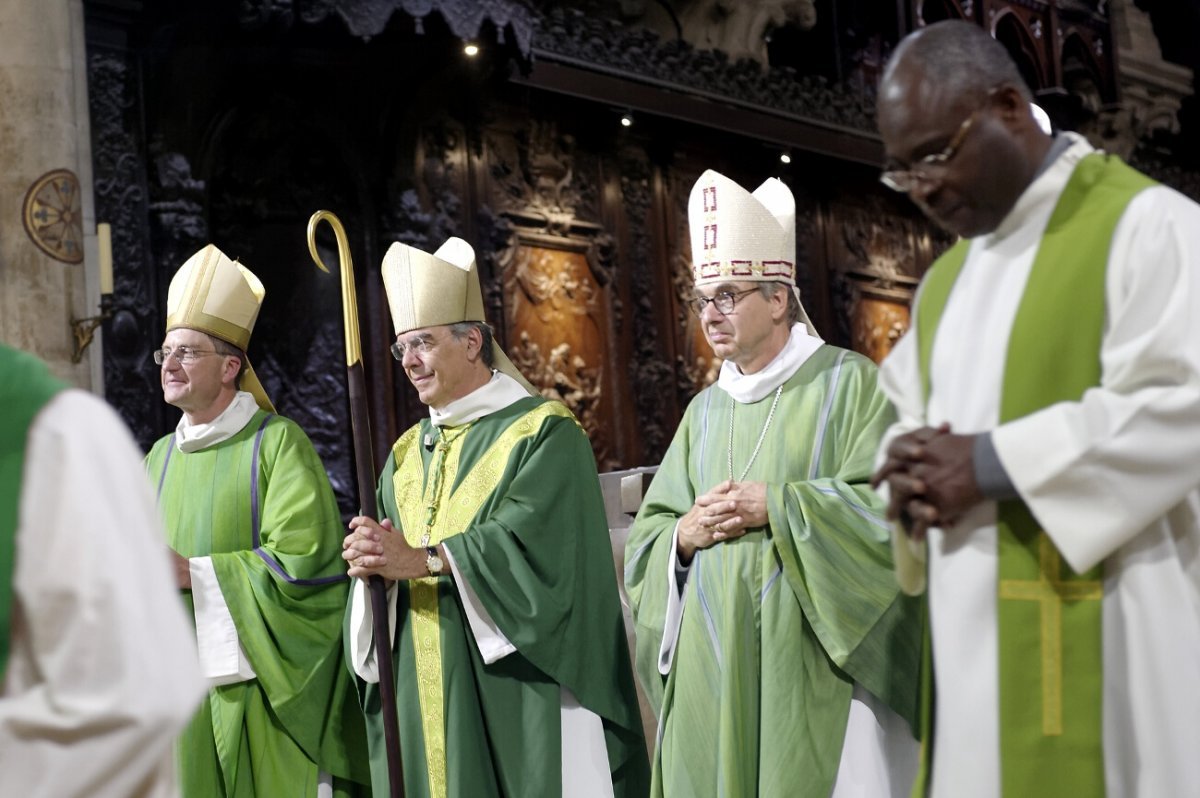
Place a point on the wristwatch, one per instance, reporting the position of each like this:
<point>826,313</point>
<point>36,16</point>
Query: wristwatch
<point>433,563</point>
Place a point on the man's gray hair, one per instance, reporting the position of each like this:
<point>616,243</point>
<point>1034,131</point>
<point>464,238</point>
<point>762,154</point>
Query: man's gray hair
<point>225,348</point>
<point>462,329</point>
<point>964,57</point>
<point>769,290</point>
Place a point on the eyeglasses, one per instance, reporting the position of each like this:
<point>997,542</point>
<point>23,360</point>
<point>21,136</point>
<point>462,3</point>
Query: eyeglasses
<point>929,168</point>
<point>421,345</point>
<point>183,354</point>
<point>723,301</point>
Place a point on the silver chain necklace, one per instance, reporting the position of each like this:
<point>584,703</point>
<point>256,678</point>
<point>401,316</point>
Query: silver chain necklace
<point>762,436</point>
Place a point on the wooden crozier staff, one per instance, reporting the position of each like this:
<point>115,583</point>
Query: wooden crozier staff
<point>365,467</point>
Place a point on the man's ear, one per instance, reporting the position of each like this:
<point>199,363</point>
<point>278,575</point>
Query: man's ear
<point>1011,105</point>
<point>779,303</point>
<point>233,365</point>
<point>474,344</point>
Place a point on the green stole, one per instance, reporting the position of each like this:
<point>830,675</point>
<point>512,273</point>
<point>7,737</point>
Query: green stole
<point>26,386</point>
<point>1050,726</point>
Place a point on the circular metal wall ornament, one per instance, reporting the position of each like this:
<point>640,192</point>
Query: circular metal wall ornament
<point>52,216</point>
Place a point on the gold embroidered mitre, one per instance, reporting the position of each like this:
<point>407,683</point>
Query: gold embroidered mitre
<point>215,295</point>
<point>426,290</point>
<point>738,236</point>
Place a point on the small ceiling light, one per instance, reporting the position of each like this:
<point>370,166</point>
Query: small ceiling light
<point>470,50</point>
<point>785,157</point>
<point>626,120</point>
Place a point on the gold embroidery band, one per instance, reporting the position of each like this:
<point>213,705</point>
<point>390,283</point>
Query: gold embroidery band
<point>419,499</point>
<point>1051,591</point>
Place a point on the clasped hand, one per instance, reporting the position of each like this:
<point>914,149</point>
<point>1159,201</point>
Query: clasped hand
<point>380,549</point>
<point>724,513</point>
<point>930,473</point>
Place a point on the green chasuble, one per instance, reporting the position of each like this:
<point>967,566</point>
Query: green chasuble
<point>25,387</point>
<point>260,505</point>
<point>515,499</point>
<point>778,624</point>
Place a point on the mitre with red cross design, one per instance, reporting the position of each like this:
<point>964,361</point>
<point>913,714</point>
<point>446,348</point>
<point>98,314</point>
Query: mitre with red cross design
<point>741,236</point>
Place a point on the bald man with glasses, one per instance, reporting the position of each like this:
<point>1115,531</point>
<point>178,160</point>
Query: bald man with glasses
<point>1043,468</point>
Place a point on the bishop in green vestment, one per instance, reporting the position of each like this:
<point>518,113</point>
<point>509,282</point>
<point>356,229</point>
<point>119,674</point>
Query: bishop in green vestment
<point>771,634</point>
<point>256,536</point>
<point>512,672</point>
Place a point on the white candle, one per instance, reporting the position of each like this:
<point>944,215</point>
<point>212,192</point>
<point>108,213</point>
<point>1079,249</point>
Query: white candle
<point>104,242</point>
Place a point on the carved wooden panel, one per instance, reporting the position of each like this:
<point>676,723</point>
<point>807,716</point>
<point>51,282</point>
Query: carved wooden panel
<point>131,380</point>
<point>696,365</point>
<point>877,323</point>
<point>1050,40</point>
<point>879,246</point>
<point>579,226</point>
<point>556,310</point>
<point>552,288</point>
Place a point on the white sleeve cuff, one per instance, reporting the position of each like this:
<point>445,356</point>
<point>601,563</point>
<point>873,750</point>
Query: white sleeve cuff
<point>362,633</point>
<point>492,643</point>
<point>674,615</point>
<point>222,659</point>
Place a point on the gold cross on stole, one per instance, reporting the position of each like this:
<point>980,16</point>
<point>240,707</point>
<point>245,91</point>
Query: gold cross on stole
<point>1050,590</point>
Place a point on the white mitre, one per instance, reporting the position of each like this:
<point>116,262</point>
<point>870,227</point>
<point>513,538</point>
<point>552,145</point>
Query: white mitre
<point>426,290</point>
<point>739,236</point>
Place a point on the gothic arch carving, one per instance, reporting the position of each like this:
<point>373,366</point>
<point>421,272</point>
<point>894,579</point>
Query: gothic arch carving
<point>1020,38</point>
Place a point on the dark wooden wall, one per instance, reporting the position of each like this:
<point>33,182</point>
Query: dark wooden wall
<point>209,129</point>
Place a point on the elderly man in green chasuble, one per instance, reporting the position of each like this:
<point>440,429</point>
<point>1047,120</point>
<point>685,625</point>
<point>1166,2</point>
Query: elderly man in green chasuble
<point>770,630</point>
<point>512,672</point>
<point>1044,465</point>
<point>256,536</point>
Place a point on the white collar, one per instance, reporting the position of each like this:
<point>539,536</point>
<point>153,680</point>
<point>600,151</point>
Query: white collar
<point>1044,189</point>
<point>496,394</point>
<point>194,437</point>
<point>748,388</point>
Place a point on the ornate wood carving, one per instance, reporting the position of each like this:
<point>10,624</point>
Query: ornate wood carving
<point>368,18</point>
<point>739,29</point>
<point>696,365</point>
<point>267,175</point>
<point>131,380</point>
<point>570,35</point>
<point>876,262</point>
<point>555,272</point>
<point>650,373</point>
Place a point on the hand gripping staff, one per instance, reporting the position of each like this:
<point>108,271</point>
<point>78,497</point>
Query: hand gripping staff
<point>365,467</point>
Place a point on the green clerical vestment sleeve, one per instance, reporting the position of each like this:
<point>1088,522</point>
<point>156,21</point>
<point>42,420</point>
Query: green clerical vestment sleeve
<point>776,625</point>
<point>260,506</point>
<point>28,386</point>
<point>517,504</point>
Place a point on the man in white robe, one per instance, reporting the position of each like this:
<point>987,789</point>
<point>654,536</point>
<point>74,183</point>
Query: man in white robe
<point>83,710</point>
<point>1109,476</point>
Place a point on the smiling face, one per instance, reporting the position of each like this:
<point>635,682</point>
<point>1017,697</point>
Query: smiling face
<point>203,387</point>
<point>440,366</point>
<point>971,192</point>
<point>753,333</point>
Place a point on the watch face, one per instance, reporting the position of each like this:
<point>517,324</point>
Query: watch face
<point>434,564</point>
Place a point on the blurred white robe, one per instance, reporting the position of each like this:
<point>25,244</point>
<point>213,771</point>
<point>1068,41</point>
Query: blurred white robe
<point>102,673</point>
